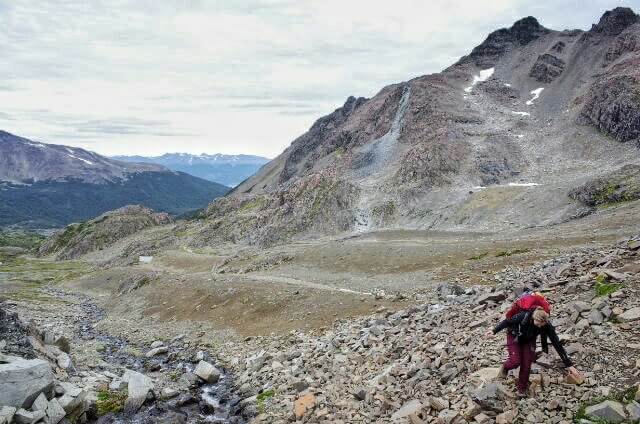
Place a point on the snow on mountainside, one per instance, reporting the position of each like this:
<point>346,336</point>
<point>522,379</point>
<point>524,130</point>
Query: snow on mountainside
<point>229,170</point>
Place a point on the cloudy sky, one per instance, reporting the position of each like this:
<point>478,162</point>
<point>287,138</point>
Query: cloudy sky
<point>246,76</point>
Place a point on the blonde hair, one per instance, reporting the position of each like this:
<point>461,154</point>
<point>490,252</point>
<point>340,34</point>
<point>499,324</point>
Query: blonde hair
<point>540,315</point>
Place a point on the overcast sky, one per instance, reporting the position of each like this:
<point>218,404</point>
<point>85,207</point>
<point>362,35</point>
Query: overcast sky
<point>246,76</point>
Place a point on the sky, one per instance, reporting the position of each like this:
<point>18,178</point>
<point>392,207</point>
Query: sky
<point>148,77</point>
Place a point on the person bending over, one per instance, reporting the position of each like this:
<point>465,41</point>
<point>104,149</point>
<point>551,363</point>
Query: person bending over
<point>523,329</point>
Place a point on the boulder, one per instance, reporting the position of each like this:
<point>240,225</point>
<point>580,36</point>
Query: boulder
<point>633,410</point>
<point>139,386</point>
<point>40,404</point>
<point>608,410</point>
<point>497,296</point>
<point>21,381</point>
<point>596,317</point>
<point>157,343</point>
<point>57,340</point>
<point>207,372</point>
<point>632,314</point>
<point>157,351</point>
<point>64,361</point>
<point>411,407</point>
<point>55,412</point>
<point>6,414</point>
<point>23,416</point>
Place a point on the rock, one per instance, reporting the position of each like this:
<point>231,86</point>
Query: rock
<point>303,404</point>
<point>497,296</point>
<point>57,340</point>
<point>6,414</point>
<point>580,306</point>
<point>508,417</point>
<point>438,404</point>
<point>596,317</point>
<point>40,404</point>
<point>156,344</point>
<point>411,407</point>
<point>157,351</point>
<point>23,416</point>
<point>574,379</point>
<point>360,393</point>
<point>256,362</point>
<point>118,385</point>
<point>207,372</point>
<point>614,275</point>
<point>64,361</point>
<point>632,314</point>
<point>607,410</point>
<point>55,412</point>
<point>169,393</point>
<point>139,386</point>
<point>633,410</point>
<point>23,380</point>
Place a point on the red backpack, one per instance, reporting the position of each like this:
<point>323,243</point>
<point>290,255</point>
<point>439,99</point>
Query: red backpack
<point>527,302</point>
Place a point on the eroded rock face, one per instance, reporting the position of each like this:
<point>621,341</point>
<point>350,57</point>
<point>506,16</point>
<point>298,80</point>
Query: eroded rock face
<point>547,68</point>
<point>21,381</point>
<point>620,186</point>
<point>613,22</point>
<point>614,107</point>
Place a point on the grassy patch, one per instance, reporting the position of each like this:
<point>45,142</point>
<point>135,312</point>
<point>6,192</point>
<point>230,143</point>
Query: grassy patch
<point>24,239</point>
<point>512,252</point>
<point>622,396</point>
<point>478,257</point>
<point>262,398</point>
<point>110,401</point>
<point>603,288</point>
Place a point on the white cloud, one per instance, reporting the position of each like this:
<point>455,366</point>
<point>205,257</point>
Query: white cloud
<point>147,77</point>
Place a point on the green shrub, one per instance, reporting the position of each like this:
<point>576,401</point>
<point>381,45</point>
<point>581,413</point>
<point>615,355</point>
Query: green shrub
<point>262,398</point>
<point>110,401</point>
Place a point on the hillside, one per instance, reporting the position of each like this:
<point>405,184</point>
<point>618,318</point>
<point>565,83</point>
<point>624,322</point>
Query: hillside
<point>497,141</point>
<point>229,170</point>
<point>50,186</point>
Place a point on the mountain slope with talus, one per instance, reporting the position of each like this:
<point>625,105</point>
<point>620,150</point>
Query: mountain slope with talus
<point>497,141</point>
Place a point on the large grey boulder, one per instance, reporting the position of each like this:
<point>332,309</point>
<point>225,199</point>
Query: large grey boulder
<point>55,412</point>
<point>632,314</point>
<point>23,416</point>
<point>207,372</point>
<point>608,410</point>
<point>139,386</point>
<point>22,380</point>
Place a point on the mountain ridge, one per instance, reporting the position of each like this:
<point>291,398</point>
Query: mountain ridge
<point>49,186</point>
<point>519,121</point>
<point>229,170</point>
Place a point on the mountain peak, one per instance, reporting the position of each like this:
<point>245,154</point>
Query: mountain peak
<point>613,22</point>
<point>527,29</point>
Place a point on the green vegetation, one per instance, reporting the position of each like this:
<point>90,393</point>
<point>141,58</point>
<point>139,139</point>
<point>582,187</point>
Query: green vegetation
<point>54,204</point>
<point>23,239</point>
<point>478,257</point>
<point>505,253</point>
<point>262,398</point>
<point>622,396</point>
<point>110,402</point>
<point>603,288</point>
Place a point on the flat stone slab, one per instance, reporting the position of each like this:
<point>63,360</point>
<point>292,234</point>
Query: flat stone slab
<point>21,382</point>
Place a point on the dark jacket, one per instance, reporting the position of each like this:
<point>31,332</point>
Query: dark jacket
<point>524,330</point>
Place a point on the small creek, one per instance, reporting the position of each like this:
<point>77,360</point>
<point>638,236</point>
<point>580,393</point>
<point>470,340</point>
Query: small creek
<point>210,403</point>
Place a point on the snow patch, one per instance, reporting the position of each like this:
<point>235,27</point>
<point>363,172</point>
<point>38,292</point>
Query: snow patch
<point>536,94</point>
<point>485,74</point>
<point>523,184</point>
<point>507,84</point>
<point>519,135</point>
<point>521,113</point>
<point>83,160</point>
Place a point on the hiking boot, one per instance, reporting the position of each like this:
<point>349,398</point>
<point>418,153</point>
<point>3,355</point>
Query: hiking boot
<point>502,374</point>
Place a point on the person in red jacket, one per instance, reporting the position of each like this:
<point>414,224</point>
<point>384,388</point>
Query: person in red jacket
<point>522,331</point>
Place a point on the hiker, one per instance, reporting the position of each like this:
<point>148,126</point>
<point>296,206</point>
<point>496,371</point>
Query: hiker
<point>523,330</point>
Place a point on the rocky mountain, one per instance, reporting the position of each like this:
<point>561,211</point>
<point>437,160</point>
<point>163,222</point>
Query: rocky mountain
<point>497,141</point>
<point>48,186</point>
<point>229,170</point>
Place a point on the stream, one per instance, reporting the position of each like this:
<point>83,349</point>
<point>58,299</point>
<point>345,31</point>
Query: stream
<point>208,403</point>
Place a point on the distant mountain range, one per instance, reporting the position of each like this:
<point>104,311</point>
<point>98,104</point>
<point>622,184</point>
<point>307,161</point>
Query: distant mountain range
<point>229,170</point>
<point>49,186</point>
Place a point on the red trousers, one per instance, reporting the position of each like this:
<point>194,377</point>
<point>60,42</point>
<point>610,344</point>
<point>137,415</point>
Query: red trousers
<point>520,355</point>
